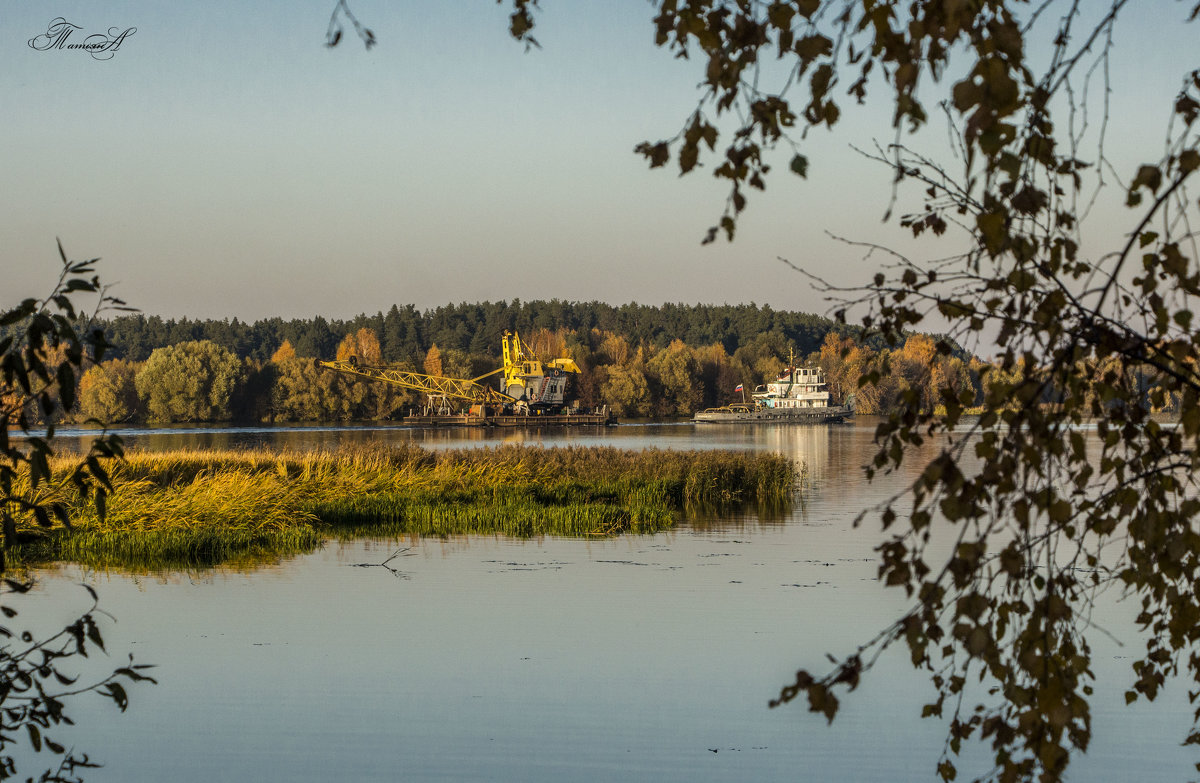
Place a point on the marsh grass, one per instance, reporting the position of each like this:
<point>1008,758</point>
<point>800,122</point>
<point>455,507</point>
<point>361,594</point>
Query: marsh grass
<point>196,508</point>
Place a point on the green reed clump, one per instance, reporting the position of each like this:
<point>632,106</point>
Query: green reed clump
<point>206,507</point>
<point>163,549</point>
<point>569,491</point>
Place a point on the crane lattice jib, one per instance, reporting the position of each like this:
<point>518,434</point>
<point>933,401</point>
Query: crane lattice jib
<point>437,385</point>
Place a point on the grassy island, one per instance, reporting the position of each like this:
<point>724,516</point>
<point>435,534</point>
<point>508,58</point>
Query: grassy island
<point>196,508</point>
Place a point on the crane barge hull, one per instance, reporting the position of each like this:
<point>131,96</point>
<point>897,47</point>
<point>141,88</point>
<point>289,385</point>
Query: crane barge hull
<point>514,421</point>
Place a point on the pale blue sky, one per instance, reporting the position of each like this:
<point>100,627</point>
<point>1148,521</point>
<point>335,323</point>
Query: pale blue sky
<point>225,163</point>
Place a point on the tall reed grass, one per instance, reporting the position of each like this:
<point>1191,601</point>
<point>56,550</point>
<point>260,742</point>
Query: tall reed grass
<point>196,508</point>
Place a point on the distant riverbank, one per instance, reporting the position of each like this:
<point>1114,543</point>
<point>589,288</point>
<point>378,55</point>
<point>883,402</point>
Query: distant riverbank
<point>189,508</point>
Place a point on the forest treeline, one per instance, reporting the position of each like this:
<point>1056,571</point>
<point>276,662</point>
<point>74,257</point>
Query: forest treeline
<point>639,360</point>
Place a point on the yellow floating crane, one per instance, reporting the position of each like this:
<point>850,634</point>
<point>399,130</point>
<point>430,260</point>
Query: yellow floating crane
<point>528,383</point>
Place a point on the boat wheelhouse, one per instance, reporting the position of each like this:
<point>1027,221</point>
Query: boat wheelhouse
<point>796,387</point>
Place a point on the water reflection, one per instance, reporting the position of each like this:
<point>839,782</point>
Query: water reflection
<point>634,435</point>
<point>806,445</point>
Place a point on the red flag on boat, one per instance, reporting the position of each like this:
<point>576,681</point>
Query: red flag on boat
<point>737,388</point>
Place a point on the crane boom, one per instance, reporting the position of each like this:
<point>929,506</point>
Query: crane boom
<point>457,388</point>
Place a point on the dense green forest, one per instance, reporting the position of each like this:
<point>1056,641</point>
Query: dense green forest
<point>637,359</point>
<point>407,334</point>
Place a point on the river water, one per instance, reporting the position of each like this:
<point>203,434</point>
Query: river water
<point>641,658</point>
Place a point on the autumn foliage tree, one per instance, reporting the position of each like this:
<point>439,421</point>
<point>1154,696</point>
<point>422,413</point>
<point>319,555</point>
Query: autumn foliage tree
<point>359,398</point>
<point>363,345</point>
<point>189,382</point>
<point>107,392</point>
<point>433,361</point>
<point>284,352</point>
<point>302,392</point>
<point>676,371</point>
<point>626,390</point>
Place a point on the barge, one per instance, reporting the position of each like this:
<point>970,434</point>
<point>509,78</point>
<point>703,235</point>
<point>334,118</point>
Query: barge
<point>599,418</point>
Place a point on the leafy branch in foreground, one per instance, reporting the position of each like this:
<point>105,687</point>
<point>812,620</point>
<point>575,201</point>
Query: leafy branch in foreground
<point>44,346</point>
<point>1038,517</point>
<point>1043,517</point>
<point>33,686</point>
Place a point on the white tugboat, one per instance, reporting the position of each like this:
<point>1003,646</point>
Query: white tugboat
<point>798,396</point>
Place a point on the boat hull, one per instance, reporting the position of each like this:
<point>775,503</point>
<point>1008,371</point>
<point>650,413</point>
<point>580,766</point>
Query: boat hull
<point>825,415</point>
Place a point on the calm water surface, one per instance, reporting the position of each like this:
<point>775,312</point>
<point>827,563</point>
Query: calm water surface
<point>642,658</point>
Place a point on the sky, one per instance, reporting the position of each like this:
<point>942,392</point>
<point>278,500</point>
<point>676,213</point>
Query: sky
<point>224,163</point>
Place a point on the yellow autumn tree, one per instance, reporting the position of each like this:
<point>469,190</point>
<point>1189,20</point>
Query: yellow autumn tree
<point>614,349</point>
<point>107,392</point>
<point>433,360</point>
<point>547,344</point>
<point>284,352</point>
<point>363,345</point>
